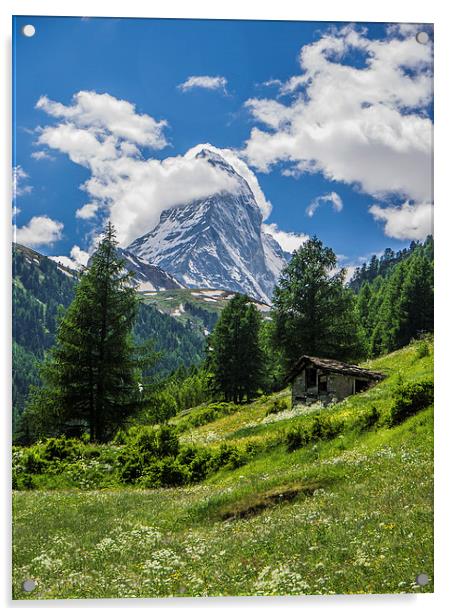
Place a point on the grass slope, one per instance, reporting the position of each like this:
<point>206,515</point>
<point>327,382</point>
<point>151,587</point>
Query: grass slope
<point>349,515</point>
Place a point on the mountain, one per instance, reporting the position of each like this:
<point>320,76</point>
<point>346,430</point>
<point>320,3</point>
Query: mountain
<point>149,277</point>
<point>42,287</point>
<point>216,242</point>
<point>200,307</point>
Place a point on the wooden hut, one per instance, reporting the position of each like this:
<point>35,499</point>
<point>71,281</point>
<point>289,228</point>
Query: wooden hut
<point>328,380</point>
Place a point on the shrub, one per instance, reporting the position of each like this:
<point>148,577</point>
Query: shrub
<point>22,481</point>
<point>422,349</point>
<point>200,466</point>
<point>32,462</point>
<point>145,445</point>
<point>320,427</point>
<point>368,419</point>
<point>154,441</point>
<point>227,456</point>
<point>61,448</point>
<point>164,473</point>
<point>131,465</point>
<point>253,448</point>
<point>120,437</point>
<point>276,407</point>
<point>187,454</point>
<point>409,398</point>
<point>296,438</point>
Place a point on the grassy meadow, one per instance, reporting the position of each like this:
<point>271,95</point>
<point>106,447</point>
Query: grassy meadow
<point>348,513</point>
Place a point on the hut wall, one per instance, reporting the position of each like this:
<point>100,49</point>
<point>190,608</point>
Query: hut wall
<point>340,385</point>
<point>298,388</point>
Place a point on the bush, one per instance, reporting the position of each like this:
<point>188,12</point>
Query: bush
<point>120,437</point>
<point>164,473</point>
<point>422,349</point>
<point>276,407</point>
<point>131,465</point>
<point>154,441</point>
<point>23,481</point>
<point>227,456</point>
<point>200,465</point>
<point>61,448</point>
<point>320,427</point>
<point>32,462</point>
<point>409,398</point>
<point>297,438</point>
<point>145,445</point>
<point>368,419</point>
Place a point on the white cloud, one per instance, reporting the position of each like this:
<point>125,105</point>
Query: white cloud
<point>405,222</point>
<point>270,83</point>
<point>240,166</point>
<point>78,258</point>
<point>206,82</point>
<point>331,197</point>
<point>132,190</point>
<point>20,186</point>
<point>366,126</point>
<point>39,231</point>
<point>88,211</point>
<point>105,113</point>
<point>41,155</point>
<point>288,240</point>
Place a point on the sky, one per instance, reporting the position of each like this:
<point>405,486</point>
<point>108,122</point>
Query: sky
<point>330,123</point>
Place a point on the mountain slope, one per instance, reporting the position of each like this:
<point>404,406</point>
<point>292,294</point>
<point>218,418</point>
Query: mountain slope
<point>216,242</point>
<point>349,514</point>
<point>41,288</point>
<point>149,277</point>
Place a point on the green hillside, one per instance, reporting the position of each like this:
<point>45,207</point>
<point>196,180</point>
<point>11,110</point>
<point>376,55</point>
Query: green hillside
<point>351,511</point>
<point>43,288</point>
<point>199,306</point>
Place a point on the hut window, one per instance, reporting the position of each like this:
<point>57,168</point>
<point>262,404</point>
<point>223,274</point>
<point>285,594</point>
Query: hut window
<point>323,384</point>
<point>360,386</point>
<point>311,377</point>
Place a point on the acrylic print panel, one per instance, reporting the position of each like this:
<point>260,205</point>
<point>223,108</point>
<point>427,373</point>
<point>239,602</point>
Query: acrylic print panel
<point>223,308</point>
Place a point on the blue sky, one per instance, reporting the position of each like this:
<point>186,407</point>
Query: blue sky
<point>295,136</point>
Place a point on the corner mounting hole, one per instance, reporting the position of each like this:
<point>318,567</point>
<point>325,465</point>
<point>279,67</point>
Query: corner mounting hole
<point>28,30</point>
<point>28,585</point>
<point>422,37</point>
<point>422,579</point>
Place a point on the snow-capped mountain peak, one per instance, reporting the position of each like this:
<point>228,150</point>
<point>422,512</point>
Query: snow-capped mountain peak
<point>216,242</point>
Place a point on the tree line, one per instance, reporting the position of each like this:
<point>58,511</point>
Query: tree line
<point>96,378</point>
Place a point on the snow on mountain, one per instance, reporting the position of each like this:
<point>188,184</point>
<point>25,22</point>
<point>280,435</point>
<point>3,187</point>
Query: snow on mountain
<point>149,277</point>
<point>216,242</point>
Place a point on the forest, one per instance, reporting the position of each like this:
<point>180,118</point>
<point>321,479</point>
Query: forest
<point>387,303</point>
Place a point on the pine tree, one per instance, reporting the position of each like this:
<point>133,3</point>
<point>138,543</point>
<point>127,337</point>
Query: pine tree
<point>92,375</point>
<point>235,359</point>
<point>314,314</point>
<point>416,301</point>
<point>401,305</point>
<point>364,312</point>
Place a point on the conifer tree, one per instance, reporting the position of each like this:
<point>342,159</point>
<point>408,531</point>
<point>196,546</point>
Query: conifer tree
<point>235,359</point>
<point>92,375</point>
<point>314,314</point>
<point>416,301</point>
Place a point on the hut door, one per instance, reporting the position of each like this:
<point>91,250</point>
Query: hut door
<point>323,388</point>
<point>311,378</point>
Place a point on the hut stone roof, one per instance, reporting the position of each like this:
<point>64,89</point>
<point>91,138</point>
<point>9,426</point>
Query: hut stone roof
<point>332,365</point>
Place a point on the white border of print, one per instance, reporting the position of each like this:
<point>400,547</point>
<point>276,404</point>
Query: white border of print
<point>328,10</point>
